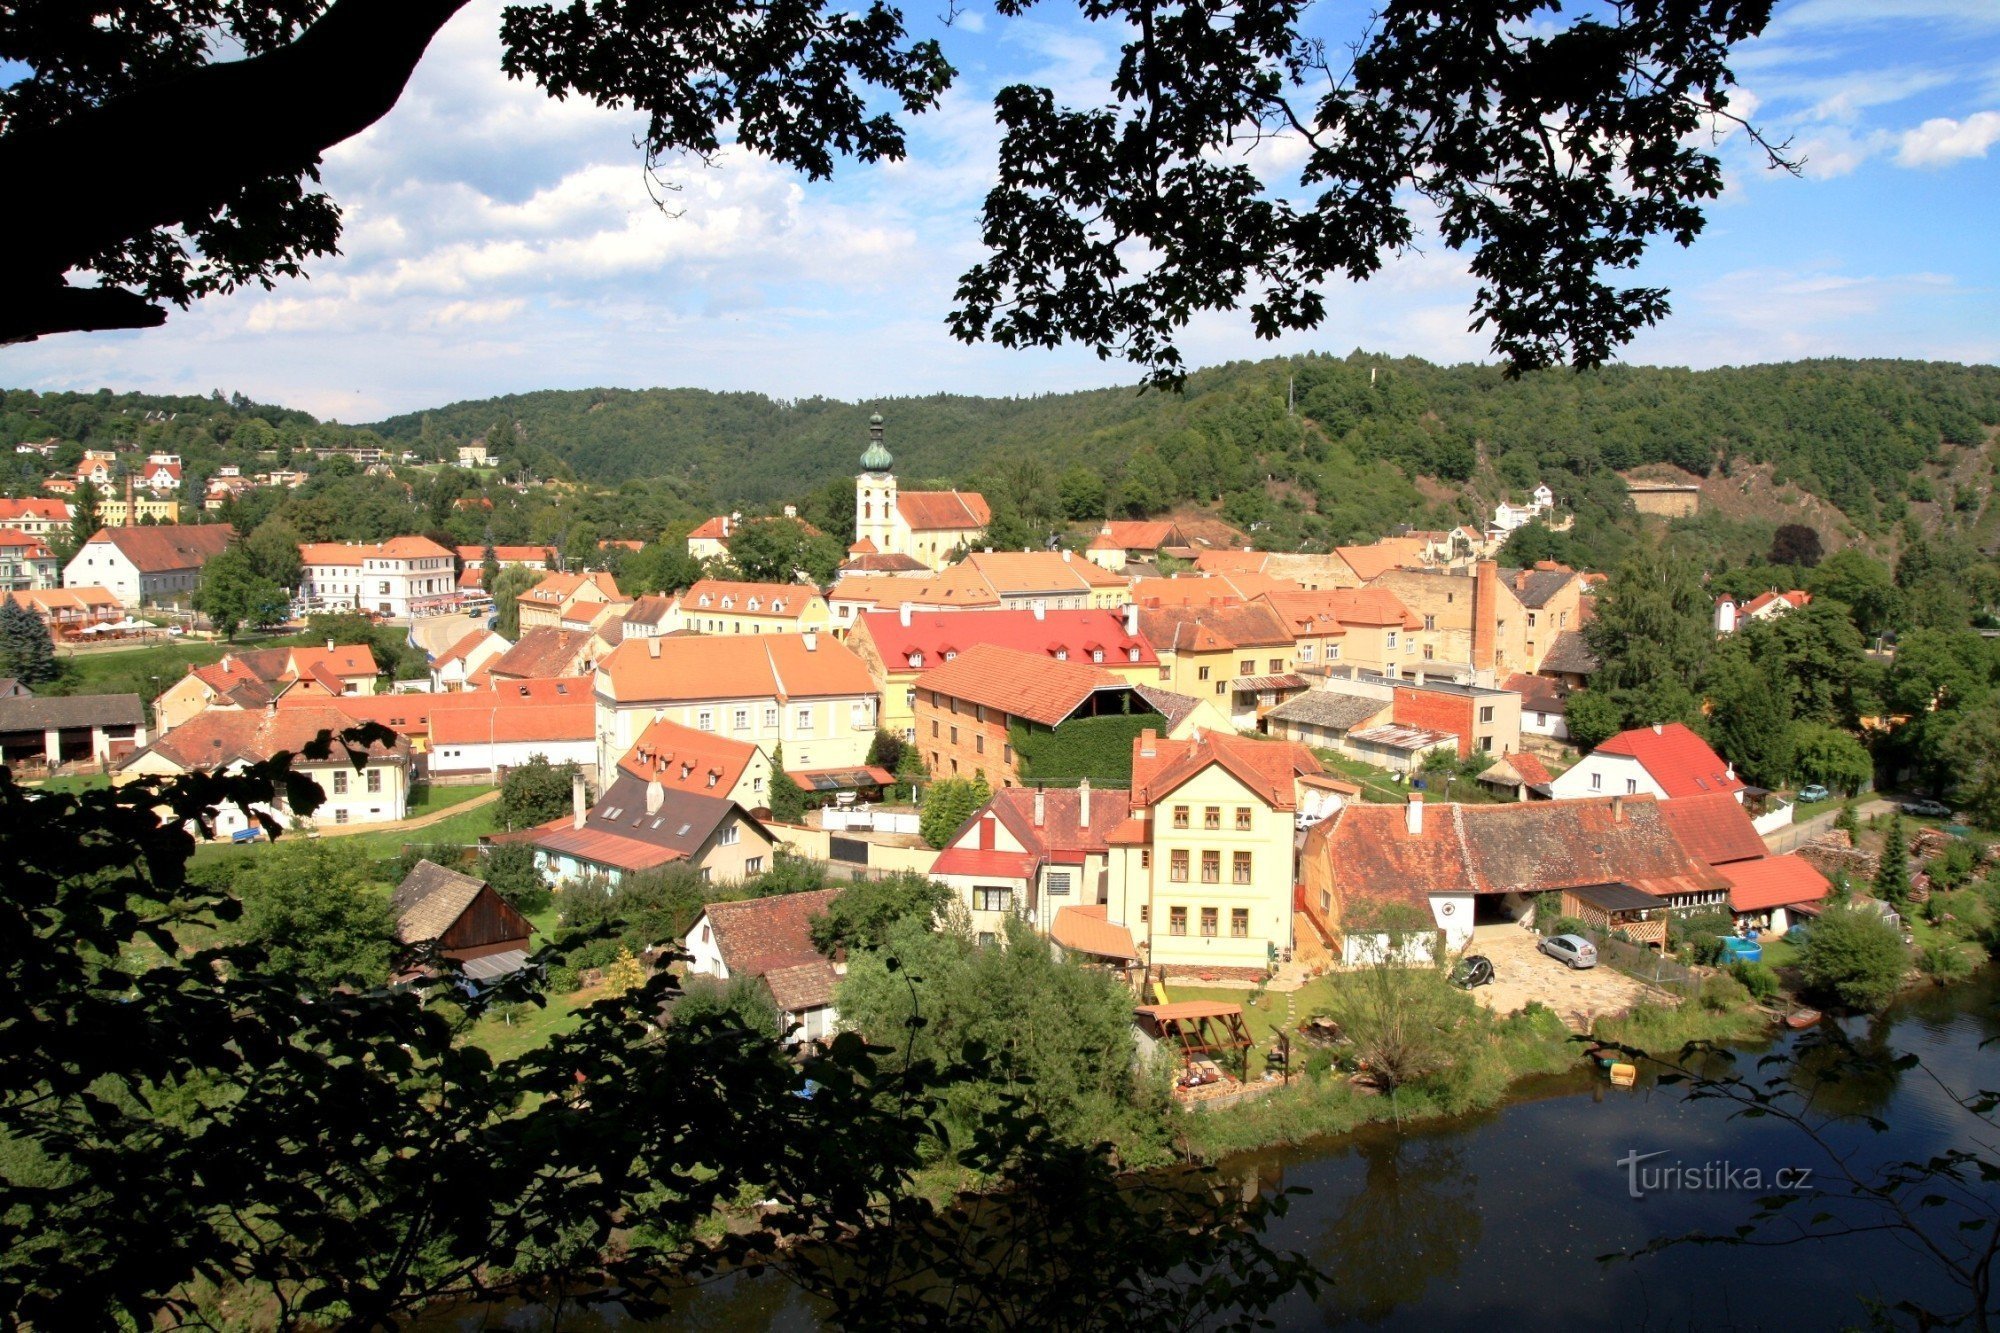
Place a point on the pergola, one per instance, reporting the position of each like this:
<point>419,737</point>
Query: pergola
<point>1203,1028</point>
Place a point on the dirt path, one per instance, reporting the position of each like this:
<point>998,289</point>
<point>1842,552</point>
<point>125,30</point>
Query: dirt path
<point>421,821</point>
<point>1779,841</point>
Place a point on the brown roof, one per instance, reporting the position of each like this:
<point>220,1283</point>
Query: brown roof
<point>802,986</point>
<point>1570,655</point>
<point>760,935</point>
<point>59,713</point>
<point>218,739</point>
<point>649,610</point>
<point>1538,694</point>
<point>1039,688</point>
<point>1714,827</point>
<point>544,652</point>
<point>1389,553</point>
<point>1308,611</point>
<point>1268,768</point>
<point>626,831</point>
<point>429,899</point>
<point>1212,628</point>
<point>943,511</point>
<point>170,546</point>
<point>1367,854</point>
<point>1208,589</point>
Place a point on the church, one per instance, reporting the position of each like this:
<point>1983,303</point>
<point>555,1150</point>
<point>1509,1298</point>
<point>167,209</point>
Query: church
<point>926,526</point>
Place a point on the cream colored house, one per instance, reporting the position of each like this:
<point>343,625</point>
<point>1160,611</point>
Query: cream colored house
<point>718,606</point>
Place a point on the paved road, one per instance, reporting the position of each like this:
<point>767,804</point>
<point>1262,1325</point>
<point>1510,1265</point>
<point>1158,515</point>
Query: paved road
<point>1779,841</point>
<point>1522,973</point>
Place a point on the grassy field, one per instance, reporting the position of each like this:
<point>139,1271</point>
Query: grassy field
<point>74,783</point>
<point>429,798</point>
<point>463,829</point>
<point>504,1036</point>
<point>1265,1013</point>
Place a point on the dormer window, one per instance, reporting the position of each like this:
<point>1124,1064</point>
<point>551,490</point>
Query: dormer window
<point>753,603</point>
<point>1097,654</point>
<point>950,653</point>
<point>778,605</point>
<point>916,661</point>
<point>1062,654</point>
<point>1131,654</point>
<point>703,600</point>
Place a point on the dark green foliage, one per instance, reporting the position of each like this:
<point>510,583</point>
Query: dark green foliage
<point>788,799</point>
<point>886,750</point>
<point>1831,757</point>
<point>26,652</point>
<point>232,594</point>
<point>1892,872</point>
<point>510,868</point>
<point>1854,957</point>
<point>743,1002</point>
<point>1751,721</point>
<point>778,550</point>
<point>638,912</point>
<point>1698,935</point>
<point>1098,748</point>
<point>1796,544</point>
<point>1953,867</point>
<point>506,592</point>
<point>862,916</point>
<point>788,874</point>
<point>536,792</point>
<point>1760,979</point>
<point>317,912</point>
<point>947,804</point>
<point>1654,637</point>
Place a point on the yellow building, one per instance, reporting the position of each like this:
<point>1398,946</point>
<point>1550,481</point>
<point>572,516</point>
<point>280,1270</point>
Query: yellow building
<point>1201,871</point>
<point>1358,629</point>
<point>560,597</point>
<point>139,509</point>
<point>716,606</point>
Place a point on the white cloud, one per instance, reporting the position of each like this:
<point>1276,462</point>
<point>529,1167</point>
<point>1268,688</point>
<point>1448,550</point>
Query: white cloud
<point>1941,140</point>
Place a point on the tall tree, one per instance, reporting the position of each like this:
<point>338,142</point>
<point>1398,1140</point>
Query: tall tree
<point>26,652</point>
<point>233,594</point>
<point>317,913</point>
<point>536,792</point>
<point>788,799</point>
<point>84,518</point>
<point>506,591</point>
<point>1653,638</point>
<point>273,547</point>
<point>1795,544</point>
<point>1750,717</point>
<point>1892,870</point>
<point>489,563</point>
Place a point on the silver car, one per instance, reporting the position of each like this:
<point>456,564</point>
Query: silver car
<point>1575,950</point>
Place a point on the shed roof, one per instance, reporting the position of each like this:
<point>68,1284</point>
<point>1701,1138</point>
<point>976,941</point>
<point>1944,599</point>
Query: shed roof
<point>1776,881</point>
<point>57,713</point>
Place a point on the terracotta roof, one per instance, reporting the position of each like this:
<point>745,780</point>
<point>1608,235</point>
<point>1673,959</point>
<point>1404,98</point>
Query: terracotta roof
<point>802,986</point>
<point>1538,694</point>
<point>1141,535</point>
<point>1230,562</point>
<point>1086,930</point>
<point>1201,629</point>
<point>737,666</point>
<point>217,739</point>
<point>1366,853</point>
<point>1714,826</point>
<point>943,511</point>
<point>53,511</point>
<point>773,601</point>
<point>1776,881</point>
<point>1208,589</point>
<point>885,590</point>
<point>988,863</point>
<point>651,609</point>
<point>1034,686</point>
<point>555,589</point>
<point>1268,768</point>
<point>355,553</point>
<point>508,555</point>
<point>1570,655</point>
<point>27,713</point>
<point>934,634</point>
<point>1532,770</point>
<point>1389,553</point>
<point>1351,606</point>
<point>169,546</point>
<point>544,652</point>
<point>1332,709</point>
<point>347,661</point>
<point>688,760</point>
<point>873,562</point>
<point>760,935</point>
<point>465,647</point>
<point>713,529</point>
<point>430,898</point>
<point>31,546</point>
<point>1793,599</point>
<point>1018,572</point>
<point>621,831</point>
<point>1062,835</point>
<point>499,721</point>
<point>1673,756</point>
<point>50,602</point>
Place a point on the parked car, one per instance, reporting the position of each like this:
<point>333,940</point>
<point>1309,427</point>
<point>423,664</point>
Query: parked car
<point>1473,970</point>
<point>1927,809</point>
<point>1812,791</point>
<point>1575,950</point>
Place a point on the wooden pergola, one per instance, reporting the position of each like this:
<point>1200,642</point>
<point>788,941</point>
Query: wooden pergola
<point>1203,1028</point>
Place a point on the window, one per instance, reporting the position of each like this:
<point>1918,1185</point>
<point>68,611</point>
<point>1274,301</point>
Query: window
<point>374,779</point>
<point>979,712</point>
<point>934,729</point>
<point>757,784</point>
<point>990,899</point>
<point>910,697</point>
<point>1222,687</point>
<point>1208,922</point>
<point>1430,622</point>
<point>1211,817</point>
<point>1177,868</point>
<point>1305,652</point>
<point>1239,868</point>
<point>804,720</point>
<point>1242,819</point>
<point>1486,713</point>
<point>1247,667</point>
<point>1597,782</point>
<point>1239,923</point>
<point>1177,921</point>
<point>1486,744</point>
<point>1531,620</point>
<point>1211,867</point>
<point>1059,883</point>
<point>340,816</point>
<point>1145,913</point>
<point>1277,665</point>
<point>1392,641</point>
<point>1430,653</point>
<point>729,836</point>
<point>858,714</point>
<point>340,782</point>
<point>1007,753</point>
<point>740,719</point>
<point>1631,786</point>
<point>979,743</point>
<point>1333,652</point>
<point>954,735</point>
<point>1145,858</point>
<point>771,717</point>
<point>1201,673</point>
<point>705,720</point>
<point>753,865</point>
<point>1180,816</point>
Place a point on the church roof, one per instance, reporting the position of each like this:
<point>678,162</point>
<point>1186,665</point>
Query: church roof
<point>878,458</point>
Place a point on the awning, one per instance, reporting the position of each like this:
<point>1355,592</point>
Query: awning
<point>492,965</point>
<point>1086,930</point>
<point>1262,683</point>
<point>841,779</point>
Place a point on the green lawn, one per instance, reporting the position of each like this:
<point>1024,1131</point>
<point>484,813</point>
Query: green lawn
<point>1264,1015</point>
<point>462,829</point>
<point>75,783</point>
<point>429,798</point>
<point>505,1036</point>
<point>1376,783</point>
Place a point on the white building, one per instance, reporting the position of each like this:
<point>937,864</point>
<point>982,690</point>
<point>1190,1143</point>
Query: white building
<point>147,566</point>
<point>927,526</point>
<point>399,578</point>
<point>1664,760</point>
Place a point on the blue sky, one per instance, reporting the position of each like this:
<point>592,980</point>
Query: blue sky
<point>498,241</point>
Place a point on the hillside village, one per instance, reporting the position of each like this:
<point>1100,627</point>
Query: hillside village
<point>1206,770</point>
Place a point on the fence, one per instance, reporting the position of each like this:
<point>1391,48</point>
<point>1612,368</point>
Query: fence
<point>837,820</point>
<point>1651,966</point>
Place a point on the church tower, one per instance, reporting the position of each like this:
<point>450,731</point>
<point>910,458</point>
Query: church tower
<point>875,494</point>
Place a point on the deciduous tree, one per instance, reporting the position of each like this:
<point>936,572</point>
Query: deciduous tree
<point>536,792</point>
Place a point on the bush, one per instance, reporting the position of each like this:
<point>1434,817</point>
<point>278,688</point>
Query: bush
<point>1698,937</point>
<point>1098,748</point>
<point>564,980</point>
<point>1566,925</point>
<point>1854,957</point>
<point>1318,1064</point>
<point>1548,910</point>
<point>1761,979</point>
<point>1944,963</point>
<point>1723,992</point>
<point>1953,867</point>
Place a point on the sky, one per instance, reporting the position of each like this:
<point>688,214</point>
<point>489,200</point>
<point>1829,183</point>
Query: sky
<point>498,241</point>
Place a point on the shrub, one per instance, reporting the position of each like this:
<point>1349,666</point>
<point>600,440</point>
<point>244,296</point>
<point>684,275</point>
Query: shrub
<point>1548,910</point>
<point>1855,957</point>
<point>1567,925</point>
<point>1723,992</point>
<point>565,980</point>
<point>1944,963</point>
<point>1318,1063</point>
<point>1761,979</point>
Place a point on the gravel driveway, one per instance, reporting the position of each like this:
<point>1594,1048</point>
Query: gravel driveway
<point>1522,973</point>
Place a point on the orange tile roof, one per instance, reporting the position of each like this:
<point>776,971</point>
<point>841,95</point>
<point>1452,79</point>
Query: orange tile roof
<point>355,553</point>
<point>1208,589</point>
<point>773,601</point>
<point>1039,688</point>
<point>1086,930</point>
<point>1269,768</point>
<point>1776,881</point>
<point>1673,756</point>
<point>1714,826</point>
<point>575,720</point>
<point>735,666</point>
<point>689,760</point>
<point>508,555</point>
<point>48,602</point>
<point>1389,553</point>
<point>889,593</point>
<point>345,660</point>
<point>1139,535</point>
<point>1018,572</point>
<point>555,589</point>
<point>1232,562</point>
<point>1217,628</point>
<point>544,652</point>
<point>944,511</point>
<point>933,634</point>
<point>53,511</point>
<point>169,546</point>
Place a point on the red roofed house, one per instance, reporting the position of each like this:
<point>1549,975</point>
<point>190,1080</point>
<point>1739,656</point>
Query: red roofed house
<point>1201,873</point>
<point>965,707</point>
<point>1729,613</point>
<point>464,663</point>
<point>41,517</point>
<point>1664,760</point>
<point>771,939</point>
<point>26,562</point>
<point>558,596</point>
<point>162,474</point>
<point>492,731</point>
<point>702,762</point>
<point>925,525</point>
<point>148,566</point>
<point>399,578</point>
<point>1119,543</point>
<point>637,826</point>
<point>900,646</point>
<point>1763,893</point>
<point>1038,855</point>
<point>1455,865</point>
<point>255,679</point>
<point>1718,831</point>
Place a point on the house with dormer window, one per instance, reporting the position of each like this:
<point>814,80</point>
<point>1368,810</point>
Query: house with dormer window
<point>715,606</point>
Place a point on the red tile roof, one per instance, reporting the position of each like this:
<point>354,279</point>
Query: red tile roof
<point>986,862</point>
<point>1777,881</point>
<point>933,634</point>
<point>1268,768</point>
<point>508,555</point>
<point>52,511</point>
<point>733,666</point>
<point>1219,628</point>
<point>170,546</point>
<point>1142,535</point>
<point>1673,756</point>
<point>943,511</point>
<point>1715,827</point>
<point>355,553</point>
<point>763,934</point>
<point>499,721</point>
<point>1086,930</point>
<point>220,738</point>
<point>773,601</point>
<point>1034,686</point>
<point>689,760</point>
<point>544,652</point>
<point>1530,767</point>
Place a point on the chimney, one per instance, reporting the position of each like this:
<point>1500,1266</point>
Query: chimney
<point>1618,809</point>
<point>1658,728</point>
<point>655,796</point>
<point>1083,803</point>
<point>1729,771</point>
<point>903,614</point>
<point>1132,620</point>
<point>1041,609</point>
<point>1485,617</point>
<point>576,799</point>
<point>1066,556</point>
<point>653,647</point>
<point>1041,807</point>
<point>1149,743</point>
<point>329,643</point>
<point>811,639</point>
<point>1413,813</point>
<point>226,659</point>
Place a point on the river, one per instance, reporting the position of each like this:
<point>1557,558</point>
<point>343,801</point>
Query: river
<point>1498,1220</point>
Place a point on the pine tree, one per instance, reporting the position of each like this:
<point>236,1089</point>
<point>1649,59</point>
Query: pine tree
<point>1892,874</point>
<point>26,652</point>
<point>788,799</point>
<point>489,565</point>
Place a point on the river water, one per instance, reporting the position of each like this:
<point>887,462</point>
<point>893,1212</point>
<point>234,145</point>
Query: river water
<point>1499,1220</point>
